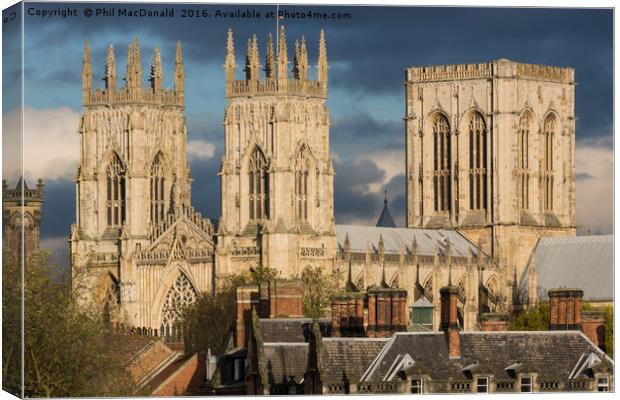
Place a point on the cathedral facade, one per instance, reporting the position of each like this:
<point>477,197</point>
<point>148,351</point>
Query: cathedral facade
<point>475,135</point>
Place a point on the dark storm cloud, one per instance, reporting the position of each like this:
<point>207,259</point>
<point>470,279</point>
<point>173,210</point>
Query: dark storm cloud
<point>58,208</point>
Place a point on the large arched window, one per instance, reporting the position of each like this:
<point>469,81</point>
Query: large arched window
<point>442,159</point>
<point>179,296</point>
<point>523,172</point>
<point>302,189</point>
<point>547,162</point>
<point>115,192</point>
<point>158,191</point>
<point>477,162</point>
<point>258,177</point>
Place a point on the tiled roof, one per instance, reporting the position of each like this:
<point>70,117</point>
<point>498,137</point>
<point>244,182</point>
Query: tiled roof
<point>585,262</point>
<point>554,354</point>
<point>348,358</point>
<point>284,361</point>
<point>429,241</point>
<point>286,330</point>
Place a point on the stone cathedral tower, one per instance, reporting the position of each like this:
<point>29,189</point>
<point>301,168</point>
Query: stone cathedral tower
<point>138,249</point>
<point>491,152</point>
<point>276,173</point>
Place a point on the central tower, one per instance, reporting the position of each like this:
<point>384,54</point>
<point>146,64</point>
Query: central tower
<point>276,173</point>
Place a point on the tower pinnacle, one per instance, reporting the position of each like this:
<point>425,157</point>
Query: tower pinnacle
<point>322,62</point>
<point>270,60</point>
<point>230,64</point>
<point>282,55</point>
<point>179,74</point>
<point>87,75</point>
<point>156,72</point>
<point>110,71</point>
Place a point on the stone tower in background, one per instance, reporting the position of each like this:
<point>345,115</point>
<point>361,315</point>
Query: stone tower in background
<point>139,251</point>
<point>276,173</point>
<point>22,209</point>
<point>491,152</point>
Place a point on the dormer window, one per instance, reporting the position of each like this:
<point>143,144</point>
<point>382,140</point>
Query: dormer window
<point>482,385</point>
<point>526,384</point>
<point>602,384</point>
<point>416,386</point>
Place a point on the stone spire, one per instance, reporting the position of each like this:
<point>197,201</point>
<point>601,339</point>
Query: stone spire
<point>87,72</point>
<point>252,60</point>
<point>133,79</point>
<point>270,60</point>
<point>157,82</point>
<point>110,71</point>
<point>230,65</point>
<point>179,73</point>
<point>282,55</point>
<point>385,219</point>
<point>296,60</point>
<point>303,59</point>
<point>322,62</point>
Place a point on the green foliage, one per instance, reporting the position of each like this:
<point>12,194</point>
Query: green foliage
<point>208,322</point>
<point>319,287</point>
<point>66,352</point>
<point>535,319</point>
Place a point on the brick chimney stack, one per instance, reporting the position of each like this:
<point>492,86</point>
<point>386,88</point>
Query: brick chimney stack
<point>565,309</point>
<point>449,323</point>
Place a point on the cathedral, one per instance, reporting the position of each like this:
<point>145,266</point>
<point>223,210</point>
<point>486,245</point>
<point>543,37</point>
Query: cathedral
<point>489,166</point>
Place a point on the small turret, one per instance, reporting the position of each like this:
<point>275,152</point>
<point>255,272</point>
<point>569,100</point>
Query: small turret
<point>270,60</point>
<point>179,74</point>
<point>282,56</point>
<point>252,66</point>
<point>322,63</point>
<point>157,83</point>
<point>110,71</point>
<point>133,77</point>
<point>230,66</point>
<point>303,60</point>
<point>87,73</point>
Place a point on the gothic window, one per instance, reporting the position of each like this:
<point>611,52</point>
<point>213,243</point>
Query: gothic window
<point>477,162</point>
<point>111,301</point>
<point>157,187</point>
<point>547,163</point>
<point>180,295</point>
<point>115,192</point>
<point>428,289</point>
<point>302,189</point>
<point>442,159</point>
<point>523,172</point>
<point>259,186</point>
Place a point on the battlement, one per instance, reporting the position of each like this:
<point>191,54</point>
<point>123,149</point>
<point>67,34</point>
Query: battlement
<point>496,69</point>
<point>277,79</point>
<point>28,194</point>
<point>132,91</point>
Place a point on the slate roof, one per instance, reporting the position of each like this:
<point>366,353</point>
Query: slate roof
<point>584,262</point>
<point>428,240</point>
<point>555,354</point>
<point>286,330</point>
<point>285,360</point>
<point>385,219</point>
<point>348,357</point>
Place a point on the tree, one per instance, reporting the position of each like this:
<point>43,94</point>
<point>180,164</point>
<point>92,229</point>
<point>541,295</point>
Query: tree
<point>65,349</point>
<point>209,321</point>
<point>319,287</point>
<point>533,319</point>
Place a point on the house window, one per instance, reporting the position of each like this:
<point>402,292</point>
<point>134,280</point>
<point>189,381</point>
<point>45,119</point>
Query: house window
<point>416,386</point>
<point>526,385</point>
<point>237,369</point>
<point>482,385</point>
<point>602,384</point>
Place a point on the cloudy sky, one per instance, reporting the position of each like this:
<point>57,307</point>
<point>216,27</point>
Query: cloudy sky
<point>368,54</point>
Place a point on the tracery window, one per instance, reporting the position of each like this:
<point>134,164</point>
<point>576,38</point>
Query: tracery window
<point>115,192</point>
<point>112,299</point>
<point>477,162</point>
<point>428,289</point>
<point>259,186</point>
<point>302,172</point>
<point>547,163</point>
<point>523,172</point>
<point>180,295</point>
<point>157,187</point>
<point>442,159</point>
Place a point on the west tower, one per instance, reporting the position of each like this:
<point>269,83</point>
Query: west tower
<point>276,173</point>
<point>491,152</point>
<point>138,248</point>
